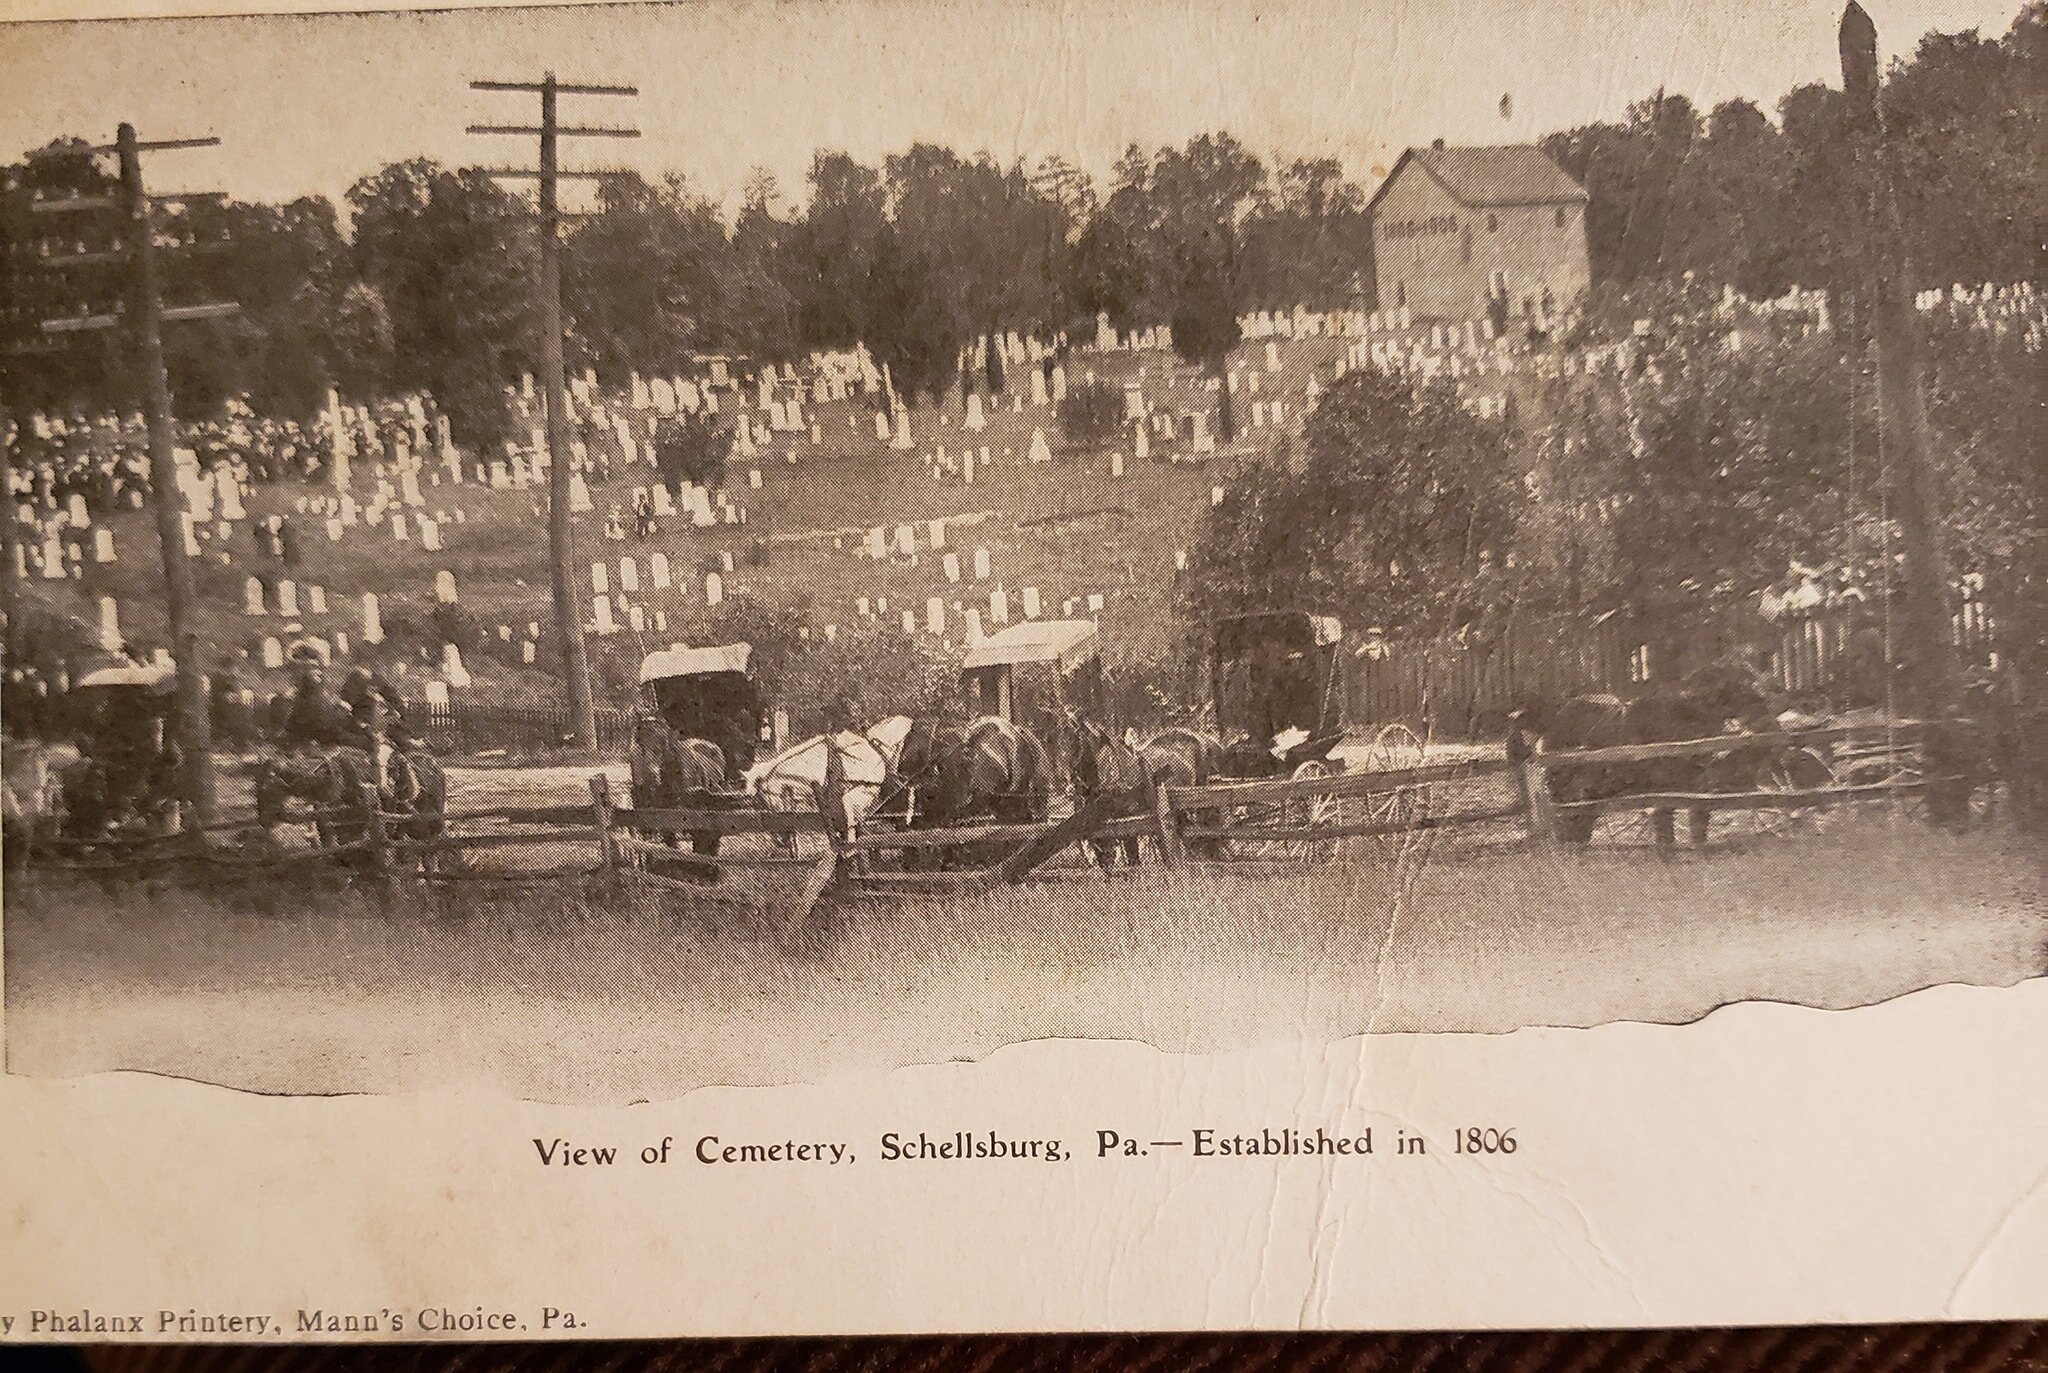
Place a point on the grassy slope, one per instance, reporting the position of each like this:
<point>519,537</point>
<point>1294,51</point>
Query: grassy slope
<point>849,481</point>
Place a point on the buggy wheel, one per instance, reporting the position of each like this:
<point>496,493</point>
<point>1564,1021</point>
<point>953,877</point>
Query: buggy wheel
<point>1303,814</point>
<point>1395,748</point>
<point>1315,813</point>
<point>1798,769</point>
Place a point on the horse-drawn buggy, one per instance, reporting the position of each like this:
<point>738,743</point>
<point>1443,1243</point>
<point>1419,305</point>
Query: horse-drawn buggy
<point>1037,674</point>
<point>701,718</point>
<point>1276,693</point>
<point>123,782</point>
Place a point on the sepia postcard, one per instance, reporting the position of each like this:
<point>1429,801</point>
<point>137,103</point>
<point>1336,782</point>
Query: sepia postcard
<point>727,667</point>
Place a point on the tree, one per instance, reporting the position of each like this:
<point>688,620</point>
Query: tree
<point>1401,501</point>
<point>690,449</point>
<point>641,279</point>
<point>1192,205</point>
<point>758,312</point>
<point>451,255</point>
<point>1313,242</point>
<point>831,251</point>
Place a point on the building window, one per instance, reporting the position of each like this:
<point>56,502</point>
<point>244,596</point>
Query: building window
<point>1493,224</point>
<point>1560,216</point>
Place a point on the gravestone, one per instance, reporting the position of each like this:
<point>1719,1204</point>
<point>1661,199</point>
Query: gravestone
<point>657,569</point>
<point>629,575</point>
<point>373,622</point>
<point>252,597</point>
<point>288,599</point>
<point>714,588</point>
<point>1031,603</point>
<point>316,599</point>
<point>444,587</point>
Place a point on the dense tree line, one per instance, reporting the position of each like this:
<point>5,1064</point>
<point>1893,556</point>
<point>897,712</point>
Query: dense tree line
<point>422,278</point>
<point>1733,196</point>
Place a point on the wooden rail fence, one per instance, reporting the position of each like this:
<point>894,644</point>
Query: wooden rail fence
<point>1222,821</point>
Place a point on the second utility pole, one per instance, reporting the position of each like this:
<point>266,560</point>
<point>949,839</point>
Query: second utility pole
<point>561,542</point>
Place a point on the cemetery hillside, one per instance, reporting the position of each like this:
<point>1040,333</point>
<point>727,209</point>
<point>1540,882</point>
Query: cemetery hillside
<point>866,424</point>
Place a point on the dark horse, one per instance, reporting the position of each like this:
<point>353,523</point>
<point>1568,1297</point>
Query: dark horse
<point>948,773</point>
<point>1105,765</point>
<point>1716,699</point>
<point>410,785</point>
<point>671,772</point>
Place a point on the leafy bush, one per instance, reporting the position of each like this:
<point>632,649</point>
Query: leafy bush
<point>1091,414</point>
<point>690,448</point>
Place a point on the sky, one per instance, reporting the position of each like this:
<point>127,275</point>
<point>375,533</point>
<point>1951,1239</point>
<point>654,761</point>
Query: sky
<point>307,103</point>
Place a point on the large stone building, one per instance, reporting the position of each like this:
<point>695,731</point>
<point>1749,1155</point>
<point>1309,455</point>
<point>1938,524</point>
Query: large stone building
<point>1461,233</point>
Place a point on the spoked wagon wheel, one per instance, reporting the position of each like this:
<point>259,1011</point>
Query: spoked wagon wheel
<point>1301,814</point>
<point>1317,812</point>
<point>1798,770</point>
<point>1394,748</point>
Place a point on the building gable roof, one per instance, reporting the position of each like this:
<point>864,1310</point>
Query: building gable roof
<point>1510,174</point>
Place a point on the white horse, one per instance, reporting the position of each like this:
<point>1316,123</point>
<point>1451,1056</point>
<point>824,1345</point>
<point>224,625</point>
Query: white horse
<point>794,779</point>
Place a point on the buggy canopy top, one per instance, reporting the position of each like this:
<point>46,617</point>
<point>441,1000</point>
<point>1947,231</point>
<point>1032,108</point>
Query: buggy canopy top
<point>145,675</point>
<point>1258,630</point>
<point>669,663</point>
<point>1068,643</point>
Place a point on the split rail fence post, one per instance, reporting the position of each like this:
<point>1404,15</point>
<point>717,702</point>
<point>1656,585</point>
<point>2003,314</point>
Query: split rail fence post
<point>601,809</point>
<point>1169,826</point>
<point>1536,795</point>
<point>380,845</point>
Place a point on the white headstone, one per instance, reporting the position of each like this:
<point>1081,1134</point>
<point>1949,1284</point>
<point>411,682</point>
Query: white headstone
<point>273,652</point>
<point>288,599</point>
<point>600,578</point>
<point>1031,603</point>
<point>252,597</point>
<point>999,606</point>
<point>601,614</point>
<point>316,599</point>
<point>430,534</point>
<point>373,622</point>
<point>110,623</point>
<point>714,588</point>
<point>629,575</point>
<point>451,666</point>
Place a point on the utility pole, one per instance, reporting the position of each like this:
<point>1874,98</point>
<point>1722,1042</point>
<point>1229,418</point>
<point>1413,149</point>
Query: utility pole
<point>143,315</point>
<point>561,542</point>
<point>1933,676</point>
